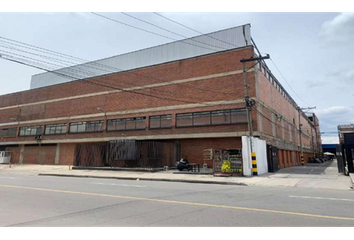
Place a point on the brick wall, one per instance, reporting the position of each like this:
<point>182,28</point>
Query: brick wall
<point>66,155</point>
<point>286,129</point>
<point>192,149</point>
<point>209,90</point>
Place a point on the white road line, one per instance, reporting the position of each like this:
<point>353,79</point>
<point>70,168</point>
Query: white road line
<point>122,185</point>
<point>322,198</point>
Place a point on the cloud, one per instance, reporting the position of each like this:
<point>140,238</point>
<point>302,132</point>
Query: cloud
<point>333,116</point>
<point>344,76</point>
<point>313,84</point>
<point>335,110</point>
<point>339,29</point>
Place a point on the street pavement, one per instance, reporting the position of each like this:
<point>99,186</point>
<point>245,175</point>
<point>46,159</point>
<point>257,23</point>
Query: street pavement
<point>323,175</point>
<point>27,199</point>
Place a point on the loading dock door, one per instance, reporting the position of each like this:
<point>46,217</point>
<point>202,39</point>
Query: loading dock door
<point>340,159</point>
<point>350,157</point>
<point>349,150</point>
<point>272,155</point>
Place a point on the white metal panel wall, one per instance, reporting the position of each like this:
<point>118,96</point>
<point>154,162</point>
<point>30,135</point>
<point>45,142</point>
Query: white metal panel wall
<point>214,42</point>
<point>260,148</point>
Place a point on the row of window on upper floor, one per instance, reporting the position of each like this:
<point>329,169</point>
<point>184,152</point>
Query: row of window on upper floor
<point>272,79</point>
<point>205,118</point>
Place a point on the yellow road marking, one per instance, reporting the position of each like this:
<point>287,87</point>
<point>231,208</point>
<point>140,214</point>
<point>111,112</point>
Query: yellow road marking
<point>180,202</point>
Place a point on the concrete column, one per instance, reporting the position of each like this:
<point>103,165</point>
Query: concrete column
<point>22,149</point>
<point>57,154</point>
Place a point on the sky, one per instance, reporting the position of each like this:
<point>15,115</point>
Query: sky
<point>313,51</point>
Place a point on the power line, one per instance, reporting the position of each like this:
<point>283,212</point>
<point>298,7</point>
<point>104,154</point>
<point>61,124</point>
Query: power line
<point>21,61</point>
<point>193,29</point>
<point>191,39</point>
<point>288,82</point>
<point>88,81</point>
<point>232,44</point>
<point>143,30</point>
<point>154,33</point>
<point>89,74</point>
<point>67,75</point>
<point>294,127</point>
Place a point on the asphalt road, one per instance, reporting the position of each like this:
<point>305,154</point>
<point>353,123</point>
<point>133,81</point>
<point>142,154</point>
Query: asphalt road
<point>27,200</point>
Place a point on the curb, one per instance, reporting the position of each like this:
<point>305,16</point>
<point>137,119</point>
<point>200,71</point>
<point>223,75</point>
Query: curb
<point>144,179</point>
<point>117,169</point>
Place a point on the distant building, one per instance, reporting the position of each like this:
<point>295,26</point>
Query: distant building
<point>348,128</point>
<point>346,141</point>
<point>315,133</point>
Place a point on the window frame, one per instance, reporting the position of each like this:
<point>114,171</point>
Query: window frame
<point>159,117</point>
<point>125,120</point>
<point>30,128</point>
<point>7,130</point>
<point>243,110</point>
<point>86,124</point>
<point>56,127</point>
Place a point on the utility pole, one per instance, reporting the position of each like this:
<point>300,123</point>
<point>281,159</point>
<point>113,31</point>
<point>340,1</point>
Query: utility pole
<point>300,131</point>
<point>249,104</point>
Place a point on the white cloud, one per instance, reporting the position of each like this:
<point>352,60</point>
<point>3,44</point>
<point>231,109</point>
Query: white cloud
<point>339,29</point>
<point>333,116</point>
<point>334,111</point>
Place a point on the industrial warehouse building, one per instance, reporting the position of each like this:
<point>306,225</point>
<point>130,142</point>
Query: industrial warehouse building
<point>151,107</point>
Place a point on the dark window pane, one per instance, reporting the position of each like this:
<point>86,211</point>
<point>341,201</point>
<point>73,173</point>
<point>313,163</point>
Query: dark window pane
<point>99,127</point>
<point>166,121</point>
<point>201,118</point>
<point>184,119</point>
<point>220,117</point>
<point>238,116</point>
<point>120,124</point>
<point>130,123</point>
<point>155,122</point>
<point>140,123</point>
<point>8,132</point>
<point>111,125</point>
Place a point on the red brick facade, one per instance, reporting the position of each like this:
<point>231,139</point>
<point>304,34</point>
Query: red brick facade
<point>206,83</point>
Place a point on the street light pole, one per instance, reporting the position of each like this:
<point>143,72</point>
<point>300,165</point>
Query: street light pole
<point>249,105</point>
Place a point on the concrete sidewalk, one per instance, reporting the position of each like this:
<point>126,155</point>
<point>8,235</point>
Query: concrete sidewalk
<point>289,177</point>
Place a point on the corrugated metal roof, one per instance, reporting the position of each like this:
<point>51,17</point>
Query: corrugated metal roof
<point>227,39</point>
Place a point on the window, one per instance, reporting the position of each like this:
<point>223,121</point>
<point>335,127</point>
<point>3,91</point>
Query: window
<point>238,116</point>
<point>55,129</point>
<point>164,121</point>
<point>126,124</point>
<point>220,117</point>
<point>212,118</point>
<point>80,127</point>
<point>201,118</point>
<point>8,132</point>
<point>185,119</point>
<point>30,131</point>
